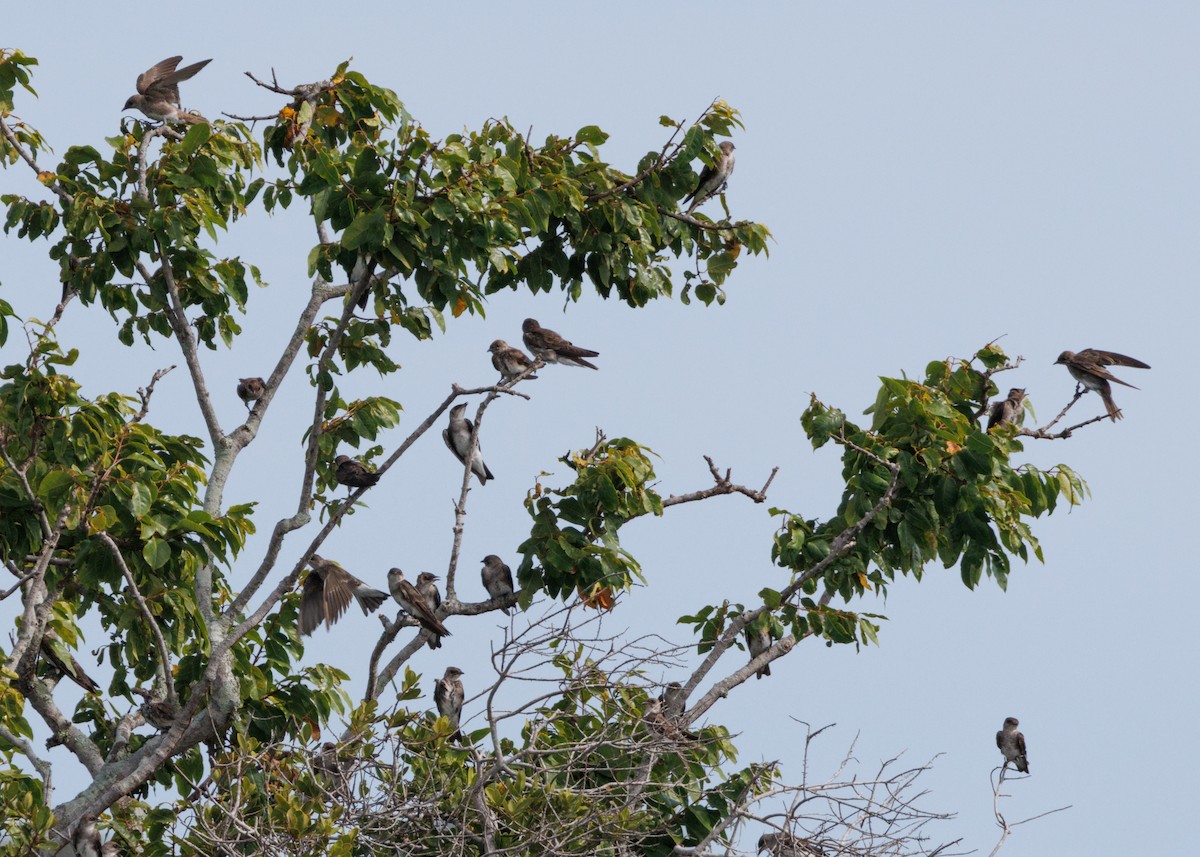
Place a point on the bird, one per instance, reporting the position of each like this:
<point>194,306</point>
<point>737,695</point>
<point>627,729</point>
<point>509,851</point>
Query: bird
<point>60,660</point>
<point>251,390</point>
<point>86,839</point>
<point>327,592</point>
<point>1012,745</point>
<point>427,586</point>
<point>458,441</point>
<point>552,348</point>
<point>448,695</point>
<point>788,845</point>
<point>1008,410</point>
<point>497,578</point>
<point>353,474</point>
<point>664,725</point>
<point>712,177</point>
<point>158,91</point>
<point>758,640</point>
<point>415,604</point>
<point>509,362</point>
<point>1087,367</point>
<point>672,699</point>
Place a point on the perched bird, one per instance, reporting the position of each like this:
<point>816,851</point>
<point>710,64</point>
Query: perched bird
<point>509,362</point>
<point>427,586</point>
<point>1087,367</point>
<point>328,589</point>
<point>758,640</point>
<point>458,441</point>
<point>1007,410</point>
<point>158,91</point>
<point>1012,745</point>
<point>552,348</point>
<point>712,177</point>
<point>788,845</point>
<point>664,725</point>
<point>61,661</point>
<point>448,695</point>
<point>86,839</point>
<point>497,578</point>
<point>672,699</point>
<point>353,474</point>
<point>251,390</point>
<point>415,604</point>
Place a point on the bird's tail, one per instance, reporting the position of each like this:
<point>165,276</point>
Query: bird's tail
<point>1113,411</point>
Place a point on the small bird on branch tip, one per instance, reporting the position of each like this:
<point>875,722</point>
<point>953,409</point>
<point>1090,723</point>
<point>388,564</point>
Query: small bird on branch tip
<point>1012,745</point>
<point>327,591</point>
<point>1087,367</point>
<point>415,604</point>
<point>458,440</point>
<point>758,640</point>
<point>353,474</point>
<point>713,177</point>
<point>448,696</point>
<point>158,91</point>
<point>427,586</point>
<point>251,390</point>
<point>1007,411</point>
<point>509,362</point>
<point>497,578</point>
<point>552,348</point>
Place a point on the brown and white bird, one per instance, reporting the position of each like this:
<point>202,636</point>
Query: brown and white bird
<point>712,177</point>
<point>414,603</point>
<point>448,695</point>
<point>1012,745</point>
<point>509,362</point>
<point>552,348</point>
<point>1008,410</point>
<point>55,655</point>
<point>251,390</point>
<point>353,474</point>
<point>327,591</point>
<point>458,440</point>
<point>672,699</point>
<point>497,578</point>
<point>788,845</point>
<point>758,640</point>
<point>427,586</point>
<point>663,724</point>
<point>158,91</point>
<point>1087,367</point>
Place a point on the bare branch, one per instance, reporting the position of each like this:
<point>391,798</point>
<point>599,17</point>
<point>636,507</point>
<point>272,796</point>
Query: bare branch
<point>723,485</point>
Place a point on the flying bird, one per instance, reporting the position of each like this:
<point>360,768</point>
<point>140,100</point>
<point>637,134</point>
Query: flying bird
<point>509,362</point>
<point>448,695</point>
<point>458,441</point>
<point>1087,367</point>
<point>251,390</point>
<point>158,91</point>
<point>788,845</point>
<point>552,348</point>
<point>327,591</point>
<point>497,578</point>
<point>353,474</point>
<point>713,177</point>
<point>1007,410</point>
<point>416,605</point>
<point>758,640</point>
<point>1012,745</point>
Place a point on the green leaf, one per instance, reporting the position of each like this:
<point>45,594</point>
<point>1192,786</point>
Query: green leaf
<point>157,553</point>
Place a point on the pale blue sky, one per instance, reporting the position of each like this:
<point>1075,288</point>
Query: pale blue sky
<point>935,175</point>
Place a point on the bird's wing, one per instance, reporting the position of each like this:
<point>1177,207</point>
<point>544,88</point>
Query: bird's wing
<point>165,85</point>
<point>156,73</point>
<point>339,589</point>
<point>450,445</point>
<point>1000,739</point>
<point>1110,358</point>
<point>506,574</point>
<point>439,694</point>
<point>1021,743</point>
<point>1085,362</point>
<point>312,607</point>
<point>420,609</point>
<point>995,414</point>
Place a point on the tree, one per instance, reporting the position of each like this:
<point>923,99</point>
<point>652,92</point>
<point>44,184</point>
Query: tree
<point>207,735</point>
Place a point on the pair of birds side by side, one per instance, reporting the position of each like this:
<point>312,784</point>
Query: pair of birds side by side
<point>1086,367</point>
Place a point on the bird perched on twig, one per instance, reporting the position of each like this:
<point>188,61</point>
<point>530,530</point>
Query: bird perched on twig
<point>713,177</point>
<point>427,586</point>
<point>1087,367</point>
<point>416,605</point>
<point>509,362</point>
<point>158,91</point>
<point>672,699</point>
<point>55,655</point>
<point>788,845</point>
<point>86,840</point>
<point>758,640</point>
<point>353,474</point>
<point>497,578</point>
<point>1007,410</point>
<point>1012,745</point>
<point>552,348</point>
<point>458,440</point>
<point>251,390</point>
<point>448,695</point>
<point>327,591</point>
